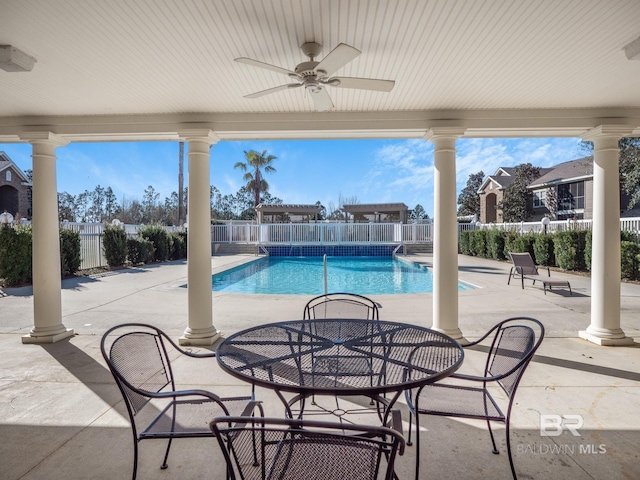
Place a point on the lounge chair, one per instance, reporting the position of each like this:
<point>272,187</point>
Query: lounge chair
<point>524,266</point>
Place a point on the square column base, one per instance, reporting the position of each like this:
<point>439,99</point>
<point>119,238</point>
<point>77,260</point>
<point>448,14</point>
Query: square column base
<point>195,342</point>
<point>29,339</point>
<point>606,342</point>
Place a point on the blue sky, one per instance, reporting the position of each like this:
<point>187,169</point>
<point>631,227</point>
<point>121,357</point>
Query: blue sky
<point>371,171</point>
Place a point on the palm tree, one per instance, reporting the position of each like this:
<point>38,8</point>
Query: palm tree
<point>256,161</point>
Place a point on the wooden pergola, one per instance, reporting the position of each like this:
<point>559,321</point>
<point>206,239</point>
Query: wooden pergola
<point>378,212</point>
<point>282,213</point>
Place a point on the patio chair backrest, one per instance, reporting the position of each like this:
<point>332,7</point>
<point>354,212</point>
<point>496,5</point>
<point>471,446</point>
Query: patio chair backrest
<point>513,347</point>
<point>293,449</point>
<point>139,363</point>
<point>523,263</point>
<point>341,305</point>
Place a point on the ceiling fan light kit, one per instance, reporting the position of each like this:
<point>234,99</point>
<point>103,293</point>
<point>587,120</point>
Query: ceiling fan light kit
<point>314,76</point>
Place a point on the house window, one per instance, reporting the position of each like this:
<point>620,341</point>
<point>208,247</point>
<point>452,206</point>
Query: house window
<point>539,198</point>
<point>8,176</point>
<point>571,196</point>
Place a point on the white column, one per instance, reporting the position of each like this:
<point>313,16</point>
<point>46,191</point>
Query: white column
<point>445,233</point>
<point>605,254</point>
<point>200,330</point>
<point>47,285</point>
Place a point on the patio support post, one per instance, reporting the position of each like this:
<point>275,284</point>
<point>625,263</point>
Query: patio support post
<point>200,330</point>
<point>605,258</point>
<point>445,235</point>
<point>47,283</point>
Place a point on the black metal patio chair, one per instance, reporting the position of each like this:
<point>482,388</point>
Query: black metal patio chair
<point>513,343</point>
<point>294,449</point>
<point>341,305</point>
<point>139,360</point>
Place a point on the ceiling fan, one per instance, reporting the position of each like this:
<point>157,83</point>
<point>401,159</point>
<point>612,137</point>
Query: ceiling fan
<point>315,76</point>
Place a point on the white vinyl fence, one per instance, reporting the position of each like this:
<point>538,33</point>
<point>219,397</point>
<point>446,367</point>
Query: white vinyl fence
<point>322,233</point>
<point>91,251</point>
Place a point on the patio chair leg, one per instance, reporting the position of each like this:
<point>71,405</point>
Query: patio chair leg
<point>135,458</point>
<point>409,443</point>
<point>417,445</point>
<point>513,470</point>
<point>493,440</point>
<point>166,456</point>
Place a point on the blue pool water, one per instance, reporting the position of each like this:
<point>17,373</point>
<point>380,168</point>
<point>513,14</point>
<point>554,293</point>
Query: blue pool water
<point>304,275</point>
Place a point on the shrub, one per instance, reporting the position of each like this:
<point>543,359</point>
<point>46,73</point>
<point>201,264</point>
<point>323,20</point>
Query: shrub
<point>524,244</point>
<point>69,252</point>
<point>510,239</point>
<point>15,255</point>
<point>178,241</point>
<point>157,235</point>
<point>569,249</point>
<point>465,242</point>
<point>114,243</point>
<point>543,250</point>
<point>139,250</point>
<point>629,260</point>
<point>495,244</point>
<point>587,249</point>
<point>479,243</point>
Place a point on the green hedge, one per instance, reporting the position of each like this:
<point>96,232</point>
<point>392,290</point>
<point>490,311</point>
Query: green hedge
<point>569,249</point>
<point>16,251</point>
<point>69,252</point>
<point>495,244</point>
<point>630,260</point>
<point>157,235</point>
<point>178,241</point>
<point>114,243</point>
<point>543,249</point>
<point>139,250</point>
<point>465,242</point>
<point>478,243</point>
<point>15,255</point>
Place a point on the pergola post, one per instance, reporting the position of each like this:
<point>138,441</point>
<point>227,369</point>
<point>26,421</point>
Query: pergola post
<point>605,254</point>
<point>200,330</point>
<point>445,231</point>
<point>47,283</point>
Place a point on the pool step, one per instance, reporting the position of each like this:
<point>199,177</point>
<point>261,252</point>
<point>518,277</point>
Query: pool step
<point>234,249</point>
<point>418,248</point>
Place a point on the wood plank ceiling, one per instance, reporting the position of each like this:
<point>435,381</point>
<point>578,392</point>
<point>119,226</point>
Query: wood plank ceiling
<point>125,57</point>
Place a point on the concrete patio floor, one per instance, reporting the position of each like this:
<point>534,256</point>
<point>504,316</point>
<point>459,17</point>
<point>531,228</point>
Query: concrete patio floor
<point>62,416</point>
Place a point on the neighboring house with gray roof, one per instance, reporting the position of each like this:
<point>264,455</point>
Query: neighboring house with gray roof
<point>15,189</point>
<point>564,191</point>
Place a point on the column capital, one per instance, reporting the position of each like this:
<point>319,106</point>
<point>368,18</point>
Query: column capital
<point>199,134</point>
<point>607,131</point>
<point>444,132</point>
<point>44,137</point>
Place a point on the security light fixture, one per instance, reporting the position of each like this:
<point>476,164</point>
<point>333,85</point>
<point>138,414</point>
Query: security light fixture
<point>632,51</point>
<point>14,60</point>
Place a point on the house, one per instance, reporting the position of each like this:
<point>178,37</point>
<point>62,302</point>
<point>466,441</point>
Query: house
<point>561,192</point>
<point>15,189</point>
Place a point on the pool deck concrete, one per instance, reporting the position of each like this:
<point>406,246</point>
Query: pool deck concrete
<point>62,417</point>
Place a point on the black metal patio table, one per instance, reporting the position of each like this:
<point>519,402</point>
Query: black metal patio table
<point>339,357</point>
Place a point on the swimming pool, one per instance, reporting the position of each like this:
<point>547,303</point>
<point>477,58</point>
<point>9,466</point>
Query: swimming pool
<point>304,276</point>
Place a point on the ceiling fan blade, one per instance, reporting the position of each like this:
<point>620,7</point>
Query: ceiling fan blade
<point>364,83</point>
<point>272,90</point>
<point>322,100</point>
<point>337,58</point>
<point>268,66</point>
